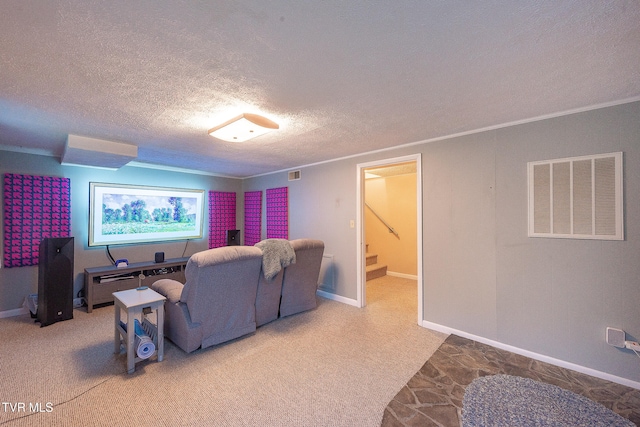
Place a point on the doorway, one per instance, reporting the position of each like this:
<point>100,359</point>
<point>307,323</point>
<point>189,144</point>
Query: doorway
<point>381,168</point>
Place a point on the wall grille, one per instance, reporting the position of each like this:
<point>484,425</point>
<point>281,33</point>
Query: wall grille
<point>294,175</point>
<point>327,279</point>
<point>577,197</point>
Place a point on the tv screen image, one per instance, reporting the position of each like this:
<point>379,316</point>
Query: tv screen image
<point>127,214</point>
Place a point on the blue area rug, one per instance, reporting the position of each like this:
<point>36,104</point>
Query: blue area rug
<point>505,400</point>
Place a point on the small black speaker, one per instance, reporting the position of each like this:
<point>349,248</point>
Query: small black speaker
<point>233,237</point>
<point>159,256</point>
<point>55,280</point>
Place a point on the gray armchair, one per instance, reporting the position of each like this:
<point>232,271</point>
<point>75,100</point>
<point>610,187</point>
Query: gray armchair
<point>218,301</point>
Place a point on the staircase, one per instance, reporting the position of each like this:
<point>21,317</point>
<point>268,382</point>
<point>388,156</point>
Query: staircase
<point>373,269</point>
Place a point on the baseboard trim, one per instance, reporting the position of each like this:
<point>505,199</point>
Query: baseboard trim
<point>14,312</point>
<point>77,303</point>
<point>532,355</point>
<point>338,298</point>
<point>403,275</point>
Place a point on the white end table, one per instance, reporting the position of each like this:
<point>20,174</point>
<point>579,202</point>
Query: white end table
<point>138,304</point>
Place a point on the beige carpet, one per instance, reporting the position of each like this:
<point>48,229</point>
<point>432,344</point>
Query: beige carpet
<point>334,366</point>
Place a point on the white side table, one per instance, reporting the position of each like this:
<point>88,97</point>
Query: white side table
<point>138,304</point>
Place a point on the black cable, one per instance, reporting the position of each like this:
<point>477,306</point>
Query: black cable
<point>113,261</point>
<point>185,247</point>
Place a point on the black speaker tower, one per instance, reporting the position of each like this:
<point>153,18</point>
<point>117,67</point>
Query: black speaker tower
<point>55,280</point>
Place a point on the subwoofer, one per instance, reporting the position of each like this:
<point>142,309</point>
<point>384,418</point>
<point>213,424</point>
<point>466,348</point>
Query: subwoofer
<point>55,280</point>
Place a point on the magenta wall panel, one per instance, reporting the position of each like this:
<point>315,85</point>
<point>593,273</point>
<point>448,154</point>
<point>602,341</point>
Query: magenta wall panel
<point>222,217</point>
<point>252,217</point>
<point>278,213</point>
<point>35,207</point>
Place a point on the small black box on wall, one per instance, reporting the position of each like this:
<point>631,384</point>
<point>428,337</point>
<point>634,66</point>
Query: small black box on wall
<point>233,237</point>
<point>159,256</point>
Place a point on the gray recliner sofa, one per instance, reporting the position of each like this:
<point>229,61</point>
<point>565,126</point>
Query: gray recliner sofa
<point>217,301</point>
<point>226,294</point>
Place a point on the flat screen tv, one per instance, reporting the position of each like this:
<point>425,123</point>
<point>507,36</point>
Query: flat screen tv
<point>126,214</point>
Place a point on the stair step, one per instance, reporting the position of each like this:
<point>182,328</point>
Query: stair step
<point>375,271</point>
<point>372,259</point>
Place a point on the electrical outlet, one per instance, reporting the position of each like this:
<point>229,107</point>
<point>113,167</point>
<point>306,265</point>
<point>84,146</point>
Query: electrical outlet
<point>615,337</point>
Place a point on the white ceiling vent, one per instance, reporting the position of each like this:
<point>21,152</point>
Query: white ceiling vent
<point>294,175</point>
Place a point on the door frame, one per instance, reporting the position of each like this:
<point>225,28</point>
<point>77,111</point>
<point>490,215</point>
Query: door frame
<point>361,276</point>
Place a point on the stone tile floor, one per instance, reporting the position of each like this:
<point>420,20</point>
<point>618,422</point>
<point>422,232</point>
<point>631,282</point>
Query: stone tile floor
<point>433,397</point>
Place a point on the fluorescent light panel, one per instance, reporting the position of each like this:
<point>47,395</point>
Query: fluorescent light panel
<point>243,128</point>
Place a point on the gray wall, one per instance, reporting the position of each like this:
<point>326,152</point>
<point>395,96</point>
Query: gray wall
<point>459,209</point>
<point>482,274</point>
<point>557,296</point>
<point>321,204</point>
<point>16,283</point>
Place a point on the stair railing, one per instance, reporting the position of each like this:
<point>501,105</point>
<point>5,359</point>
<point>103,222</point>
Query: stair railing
<point>391,229</point>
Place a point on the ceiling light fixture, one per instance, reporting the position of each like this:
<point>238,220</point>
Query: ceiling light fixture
<point>243,127</point>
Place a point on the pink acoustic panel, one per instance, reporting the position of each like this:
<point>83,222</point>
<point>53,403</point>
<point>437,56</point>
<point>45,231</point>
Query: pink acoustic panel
<point>278,213</point>
<point>222,217</point>
<point>35,207</point>
<point>252,217</point>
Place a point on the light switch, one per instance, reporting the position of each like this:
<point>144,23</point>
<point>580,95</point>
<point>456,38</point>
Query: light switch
<point>352,224</point>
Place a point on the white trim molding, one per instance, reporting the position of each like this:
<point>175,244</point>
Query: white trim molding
<point>338,298</point>
<point>532,355</point>
<point>360,232</point>
<point>14,312</point>
<point>402,275</point>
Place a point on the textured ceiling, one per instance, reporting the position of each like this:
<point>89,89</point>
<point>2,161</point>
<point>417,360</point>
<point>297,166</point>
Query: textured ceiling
<point>340,77</point>
<point>391,170</point>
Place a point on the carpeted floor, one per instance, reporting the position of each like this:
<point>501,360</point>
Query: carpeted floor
<point>433,397</point>
<point>336,365</point>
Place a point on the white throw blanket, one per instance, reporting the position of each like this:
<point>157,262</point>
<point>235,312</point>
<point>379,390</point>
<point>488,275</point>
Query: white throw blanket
<point>276,255</point>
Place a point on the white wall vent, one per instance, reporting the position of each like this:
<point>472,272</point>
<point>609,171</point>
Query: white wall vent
<point>327,276</point>
<point>294,175</point>
<point>577,197</point>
